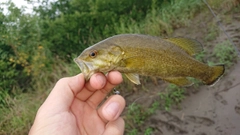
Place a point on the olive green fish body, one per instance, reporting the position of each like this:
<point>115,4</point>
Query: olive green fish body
<point>133,54</point>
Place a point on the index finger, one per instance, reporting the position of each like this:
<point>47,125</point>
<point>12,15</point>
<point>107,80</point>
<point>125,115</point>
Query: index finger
<point>114,78</point>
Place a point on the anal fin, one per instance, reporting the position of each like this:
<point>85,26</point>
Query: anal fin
<point>180,81</point>
<point>133,78</point>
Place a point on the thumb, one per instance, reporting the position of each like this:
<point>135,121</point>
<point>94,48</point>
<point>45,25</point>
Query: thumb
<point>62,95</point>
<point>115,127</point>
<point>112,108</point>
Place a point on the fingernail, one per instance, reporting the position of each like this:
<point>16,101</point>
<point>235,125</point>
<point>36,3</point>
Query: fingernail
<point>112,109</point>
<point>101,79</point>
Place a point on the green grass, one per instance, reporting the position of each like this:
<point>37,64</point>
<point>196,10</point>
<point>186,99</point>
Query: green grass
<point>173,96</point>
<point>137,115</point>
<point>17,118</point>
<point>201,56</point>
<point>213,31</point>
<point>148,131</point>
<point>225,54</point>
<point>161,21</point>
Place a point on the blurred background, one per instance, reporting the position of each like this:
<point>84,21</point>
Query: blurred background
<point>40,38</point>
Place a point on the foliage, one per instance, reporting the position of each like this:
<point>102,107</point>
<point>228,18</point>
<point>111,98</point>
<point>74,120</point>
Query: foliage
<point>9,71</point>
<point>18,116</point>
<point>225,53</point>
<point>136,116</point>
<point>11,64</point>
<point>138,112</point>
<point>170,15</point>
<point>148,131</point>
<point>133,132</point>
<point>213,31</point>
<point>174,95</point>
<point>200,56</point>
<point>76,24</point>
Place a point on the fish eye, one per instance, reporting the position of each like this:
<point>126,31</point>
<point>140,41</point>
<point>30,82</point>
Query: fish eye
<point>93,54</point>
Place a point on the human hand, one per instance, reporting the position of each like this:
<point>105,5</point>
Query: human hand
<point>72,107</point>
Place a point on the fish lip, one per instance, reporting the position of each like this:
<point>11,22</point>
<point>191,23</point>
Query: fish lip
<point>86,68</point>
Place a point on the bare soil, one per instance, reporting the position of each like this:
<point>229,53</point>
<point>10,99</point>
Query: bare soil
<point>207,110</point>
<point>210,111</point>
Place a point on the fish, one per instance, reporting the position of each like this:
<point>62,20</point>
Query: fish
<point>171,59</point>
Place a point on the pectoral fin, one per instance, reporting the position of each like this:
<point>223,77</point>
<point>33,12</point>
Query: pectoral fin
<point>191,46</point>
<point>180,81</point>
<point>133,78</point>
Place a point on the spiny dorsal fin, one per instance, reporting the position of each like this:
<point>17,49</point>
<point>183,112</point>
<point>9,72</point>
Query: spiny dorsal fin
<point>191,46</point>
<point>133,78</point>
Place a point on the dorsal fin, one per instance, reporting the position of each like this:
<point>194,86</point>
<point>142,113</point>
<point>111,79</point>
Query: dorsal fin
<point>191,46</point>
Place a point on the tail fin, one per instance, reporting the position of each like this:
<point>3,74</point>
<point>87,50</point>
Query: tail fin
<point>218,71</point>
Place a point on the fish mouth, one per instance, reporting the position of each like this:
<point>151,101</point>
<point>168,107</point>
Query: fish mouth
<point>86,68</point>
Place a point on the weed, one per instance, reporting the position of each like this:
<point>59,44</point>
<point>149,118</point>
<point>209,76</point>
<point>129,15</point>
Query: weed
<point>18,115</point>
<point>174,95</point>
<point>148,131</point>
<point>213,32</point>
<point>153,107</point>
<point>3,96</point>
<point>200,56</point>
<point>133,132</point>
<point>136,115</point>
<point>138,112</point>
<point>196,82</point>
<point>210,63</point>
<point>161,20</point>
<point>225,53</point>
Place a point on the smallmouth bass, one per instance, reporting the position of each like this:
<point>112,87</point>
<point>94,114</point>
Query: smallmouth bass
<point>170,59</point>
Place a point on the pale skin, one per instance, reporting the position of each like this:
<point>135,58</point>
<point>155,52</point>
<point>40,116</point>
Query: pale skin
<point>72,107</point>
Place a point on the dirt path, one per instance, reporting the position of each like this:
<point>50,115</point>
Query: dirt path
<point>211,111</point>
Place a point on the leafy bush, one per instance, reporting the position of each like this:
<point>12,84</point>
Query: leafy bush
<point>71,26</point>
<point>11,73</point>
<point>22,55</point>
